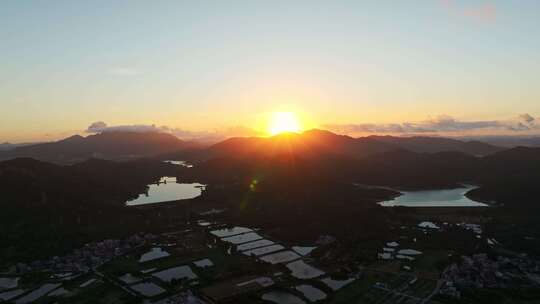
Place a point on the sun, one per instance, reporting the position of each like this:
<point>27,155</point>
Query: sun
<point>283,122</point>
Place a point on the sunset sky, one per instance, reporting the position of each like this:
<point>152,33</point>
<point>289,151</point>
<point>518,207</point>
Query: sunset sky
<point>223,67</point>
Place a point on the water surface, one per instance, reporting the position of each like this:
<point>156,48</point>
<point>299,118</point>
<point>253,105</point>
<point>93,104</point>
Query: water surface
<point>37,293</point>
<point>8,283</point>
<point>148,289</point>
<point>180,272</point>
<point>230,231</point>
<point>154,254</point>
<point>311,293</point>
<point>281,297</point>
<point>303,250</point>
<point>253,245</point>
<point>434,198</point>
<point>167,189</point>
<point>336,284</point>
<point>242,238</point>
<point>264,250</point>
<point>280,257</point>
<point>180,163</point>
<point>300,270</point>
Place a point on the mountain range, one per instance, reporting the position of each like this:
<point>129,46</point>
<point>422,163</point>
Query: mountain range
<point>108,145</point>
<point>312,143</point>
<point>316,170</point>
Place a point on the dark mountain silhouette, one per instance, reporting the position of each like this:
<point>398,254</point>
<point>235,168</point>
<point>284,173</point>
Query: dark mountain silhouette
<point>406,169</point>
<point>315,143</point>
<point>510,177</point>
<point>507,174</point>
<point>521,158</point>
<point>312,143</point>
<point>9,146</point>
<point>109,145</point>
<point>438,144</point>
<point>48,207</point>
<point>396,168</point>
<point>508,141</point>
<point>85,200</point>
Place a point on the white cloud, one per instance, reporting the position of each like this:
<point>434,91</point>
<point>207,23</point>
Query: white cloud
<point>527,118</point>
<point>205,135</point>
<point>101,127</point>
<point>442,124</point>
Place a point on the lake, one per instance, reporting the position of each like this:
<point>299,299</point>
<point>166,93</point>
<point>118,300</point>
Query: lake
<point>180,163</point>
<point>167,189</point>
<point>434,198</point>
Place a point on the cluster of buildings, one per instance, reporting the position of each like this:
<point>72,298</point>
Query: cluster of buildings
<point>86,258</point>
<point>482,271</point>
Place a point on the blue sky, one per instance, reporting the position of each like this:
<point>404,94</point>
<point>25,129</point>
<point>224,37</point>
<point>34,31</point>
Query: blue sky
<point>214,65</point>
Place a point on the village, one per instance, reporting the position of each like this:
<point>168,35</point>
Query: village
<point>205,261</point>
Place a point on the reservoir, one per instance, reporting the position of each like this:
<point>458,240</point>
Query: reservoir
<point>167,189</point>
<point>434,198</point>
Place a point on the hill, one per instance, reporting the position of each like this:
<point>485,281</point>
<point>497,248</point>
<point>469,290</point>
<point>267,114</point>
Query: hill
<point>9,146</point>
<point>309,144</point>
<point>109,145</point>
<point>316,143</point>
<point>510,177</point>
<point>422,144</point>
<point>313,143</point>
<point>48,207</point>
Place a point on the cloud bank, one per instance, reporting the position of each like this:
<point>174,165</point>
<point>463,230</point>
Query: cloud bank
<point>207,135</point>
<point>101,127</point>
<point>442,125</point>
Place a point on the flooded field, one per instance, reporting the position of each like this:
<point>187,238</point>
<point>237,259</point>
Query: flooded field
<point>180,272</point>
<point>154,254</point>
<point>129,279</point>
<point>280,257</point>
<point>301,270</point>
<point>264,250</point>
<point>8,295</point>
<point>38,293</point>
<point>311,293</point>
<point>230,231</point>
<point>203,263</point>
<point>255,244</point>
<point>336,284</point>
<point>8,283</point>
<point>281,297</point>
<point>242,238</point>
<point>148,289</point>
<point>303,250</point>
